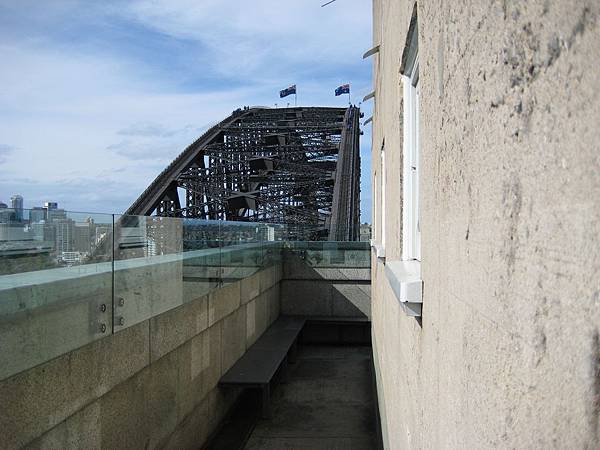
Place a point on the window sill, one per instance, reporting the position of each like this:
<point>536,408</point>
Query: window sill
<point>405,279</point>
<point>378,249</point>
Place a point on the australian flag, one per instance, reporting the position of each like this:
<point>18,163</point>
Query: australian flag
<point>343,89</point>
<point>287,91</point>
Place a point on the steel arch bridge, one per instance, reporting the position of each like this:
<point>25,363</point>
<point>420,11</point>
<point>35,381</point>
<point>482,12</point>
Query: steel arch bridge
<point>296,166</point>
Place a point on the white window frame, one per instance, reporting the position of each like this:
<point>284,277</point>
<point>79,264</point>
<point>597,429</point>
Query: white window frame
<point>411,230</point>
<point>404,276</point>
<point>383,186</point>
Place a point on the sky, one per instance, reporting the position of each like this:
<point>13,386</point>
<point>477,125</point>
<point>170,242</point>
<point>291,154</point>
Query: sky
<point>97,98</point>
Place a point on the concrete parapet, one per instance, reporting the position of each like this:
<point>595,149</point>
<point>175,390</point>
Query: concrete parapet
<point>316,282</point>
<point>173,328</point>
<point>42,397</point>
<point>299,297</point>
<point>233,338</point>
<point>154,384</point>
<point>250,287</point>
<point>223,302</point>
<point>270,276</point>
<point>325,298</point>
<point>79,431</point>
<point>273,302</point>
<point>41,322</point>
<point>257,318</point>
<point>151,385</point>
<point>351,300</point>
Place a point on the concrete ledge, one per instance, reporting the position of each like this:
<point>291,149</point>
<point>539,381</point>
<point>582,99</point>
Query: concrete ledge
<point>42,397</point>
<point>298,269</point>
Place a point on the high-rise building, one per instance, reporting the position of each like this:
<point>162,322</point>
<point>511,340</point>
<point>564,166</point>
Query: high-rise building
<point>64,235</point>
<point>17,204</point>
<point>37,214</point>
<point>54,214</point>
<point>82,237</point>
<point>7,215</point>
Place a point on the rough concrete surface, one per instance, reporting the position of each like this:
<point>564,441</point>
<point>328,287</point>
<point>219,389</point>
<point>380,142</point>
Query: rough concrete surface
<point>506,355</point>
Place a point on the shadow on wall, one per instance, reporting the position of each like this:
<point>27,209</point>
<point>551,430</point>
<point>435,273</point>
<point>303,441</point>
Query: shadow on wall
<point>326,284</point>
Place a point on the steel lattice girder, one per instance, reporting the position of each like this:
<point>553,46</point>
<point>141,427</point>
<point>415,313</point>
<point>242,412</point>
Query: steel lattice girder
<point>289,165</point>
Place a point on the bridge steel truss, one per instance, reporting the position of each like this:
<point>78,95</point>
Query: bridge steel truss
<point>296,166</point>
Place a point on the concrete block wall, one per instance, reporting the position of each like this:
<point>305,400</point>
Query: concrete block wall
<point>152,385</point>
<point>324,291</point>
<point>506,354</point>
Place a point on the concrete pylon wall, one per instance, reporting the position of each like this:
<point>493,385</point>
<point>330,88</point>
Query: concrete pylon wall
<point>507,352</point>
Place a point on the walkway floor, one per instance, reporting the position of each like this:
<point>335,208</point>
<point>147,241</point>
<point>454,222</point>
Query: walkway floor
<point>327,403</point>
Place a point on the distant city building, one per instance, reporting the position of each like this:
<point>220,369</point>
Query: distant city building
<point>37,214</point>
<point>17,204</point>
<point>14,232</point>
<point>54,214</point>
<point>51,205</point>
<point>64,237</point>
<point>7,215</point>
<point>82,237</point>
<point>3,205</point>
<point>42,231</point>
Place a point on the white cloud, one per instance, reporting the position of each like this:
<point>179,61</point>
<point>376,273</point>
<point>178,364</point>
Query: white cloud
<point>263,37</point>
<point>92,129</point>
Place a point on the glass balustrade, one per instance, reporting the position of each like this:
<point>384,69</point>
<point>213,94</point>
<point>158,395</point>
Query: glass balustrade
<point>68,278</point>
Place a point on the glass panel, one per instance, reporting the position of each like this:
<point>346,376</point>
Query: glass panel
<point>201,259</point>
<point>273,237</point>
<point>332,254</point>
<point>55,283</point>
<point>148,267</point>
<point>241,250</point>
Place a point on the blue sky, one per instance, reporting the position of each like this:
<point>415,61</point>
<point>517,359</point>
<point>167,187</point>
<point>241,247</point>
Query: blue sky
<point>96,98</point>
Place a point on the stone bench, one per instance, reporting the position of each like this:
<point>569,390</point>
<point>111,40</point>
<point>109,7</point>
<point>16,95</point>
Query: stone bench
<point>257,367</point>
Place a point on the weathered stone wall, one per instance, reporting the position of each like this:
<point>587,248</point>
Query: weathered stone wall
<point>152,385</point>
<point>507,354</point>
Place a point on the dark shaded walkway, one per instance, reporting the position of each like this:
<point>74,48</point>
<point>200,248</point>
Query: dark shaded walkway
<point>327,403</point>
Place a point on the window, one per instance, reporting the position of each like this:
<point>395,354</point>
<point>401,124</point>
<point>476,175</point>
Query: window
<point>378,243</point>
<point>411,245</point>
<point>383,179</point>
<point>404,275</point>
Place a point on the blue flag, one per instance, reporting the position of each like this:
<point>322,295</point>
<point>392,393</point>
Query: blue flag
<point>343,89</point>
<point>288,91</point>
